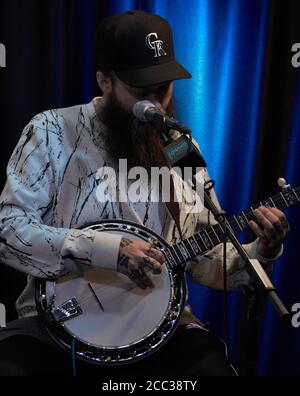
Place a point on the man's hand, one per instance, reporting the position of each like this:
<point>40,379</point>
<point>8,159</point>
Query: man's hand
<point>271,228</point>
<point>135,257</point>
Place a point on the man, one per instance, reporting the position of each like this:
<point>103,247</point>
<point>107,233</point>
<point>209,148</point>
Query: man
<point>51,191</point>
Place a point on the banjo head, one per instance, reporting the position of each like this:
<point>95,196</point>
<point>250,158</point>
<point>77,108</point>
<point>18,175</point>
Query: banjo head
<point>112,320</point>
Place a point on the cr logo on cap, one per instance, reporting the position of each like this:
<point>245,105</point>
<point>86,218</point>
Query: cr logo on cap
<point>155,45</point>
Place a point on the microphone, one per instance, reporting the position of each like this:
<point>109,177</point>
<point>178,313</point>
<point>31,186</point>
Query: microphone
<point>144,110</point>
<point>182,151</point>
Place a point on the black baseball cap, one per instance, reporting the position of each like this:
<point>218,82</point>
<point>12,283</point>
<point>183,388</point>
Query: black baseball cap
<point>138,47</point>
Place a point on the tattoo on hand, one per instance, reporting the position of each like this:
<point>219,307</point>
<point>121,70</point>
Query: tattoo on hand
<point>122,258</point>
<point>123,261</point>
<point>154,246</point>
<point>125,242</point>
<point>147,263</point>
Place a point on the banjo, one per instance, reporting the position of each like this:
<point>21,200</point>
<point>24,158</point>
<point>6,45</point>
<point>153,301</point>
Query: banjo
<point>107,317</point>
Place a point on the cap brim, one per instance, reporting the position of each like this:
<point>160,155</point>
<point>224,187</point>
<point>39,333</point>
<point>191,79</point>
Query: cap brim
<point>154,74</point>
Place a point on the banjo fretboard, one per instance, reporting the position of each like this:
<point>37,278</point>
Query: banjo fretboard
<point>211,236</point>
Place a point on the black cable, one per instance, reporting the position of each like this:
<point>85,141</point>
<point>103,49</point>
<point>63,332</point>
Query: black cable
<point>74,369</point>
<point>225,294</point>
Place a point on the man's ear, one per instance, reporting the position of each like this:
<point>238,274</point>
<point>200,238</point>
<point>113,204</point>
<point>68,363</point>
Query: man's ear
<point>104,82</point>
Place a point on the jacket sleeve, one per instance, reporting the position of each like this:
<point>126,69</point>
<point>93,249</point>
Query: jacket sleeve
<point>207,269</point>
<point>26,242</point>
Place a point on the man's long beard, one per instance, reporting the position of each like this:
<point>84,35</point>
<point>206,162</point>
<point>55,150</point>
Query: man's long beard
<point>140,143</point>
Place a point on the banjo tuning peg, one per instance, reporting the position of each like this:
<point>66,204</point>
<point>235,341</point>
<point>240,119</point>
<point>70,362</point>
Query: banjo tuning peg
<point>282,183</point>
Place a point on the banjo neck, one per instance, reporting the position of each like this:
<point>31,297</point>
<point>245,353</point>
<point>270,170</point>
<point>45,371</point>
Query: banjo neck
<point>134,323</point>
<point>178,254</point>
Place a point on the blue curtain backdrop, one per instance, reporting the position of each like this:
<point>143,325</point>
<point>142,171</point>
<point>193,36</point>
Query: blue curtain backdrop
<point>242,104</point>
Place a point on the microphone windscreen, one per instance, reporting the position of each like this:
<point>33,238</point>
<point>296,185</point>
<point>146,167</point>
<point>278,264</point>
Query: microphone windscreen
<point>140,108</point>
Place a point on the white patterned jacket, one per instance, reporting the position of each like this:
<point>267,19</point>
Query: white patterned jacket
<point>51,192</point>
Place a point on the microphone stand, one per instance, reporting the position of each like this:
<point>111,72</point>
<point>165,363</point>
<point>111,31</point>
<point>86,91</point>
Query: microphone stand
<point>252,266</point>
<point>255,296</point>
<point>183,151</point>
